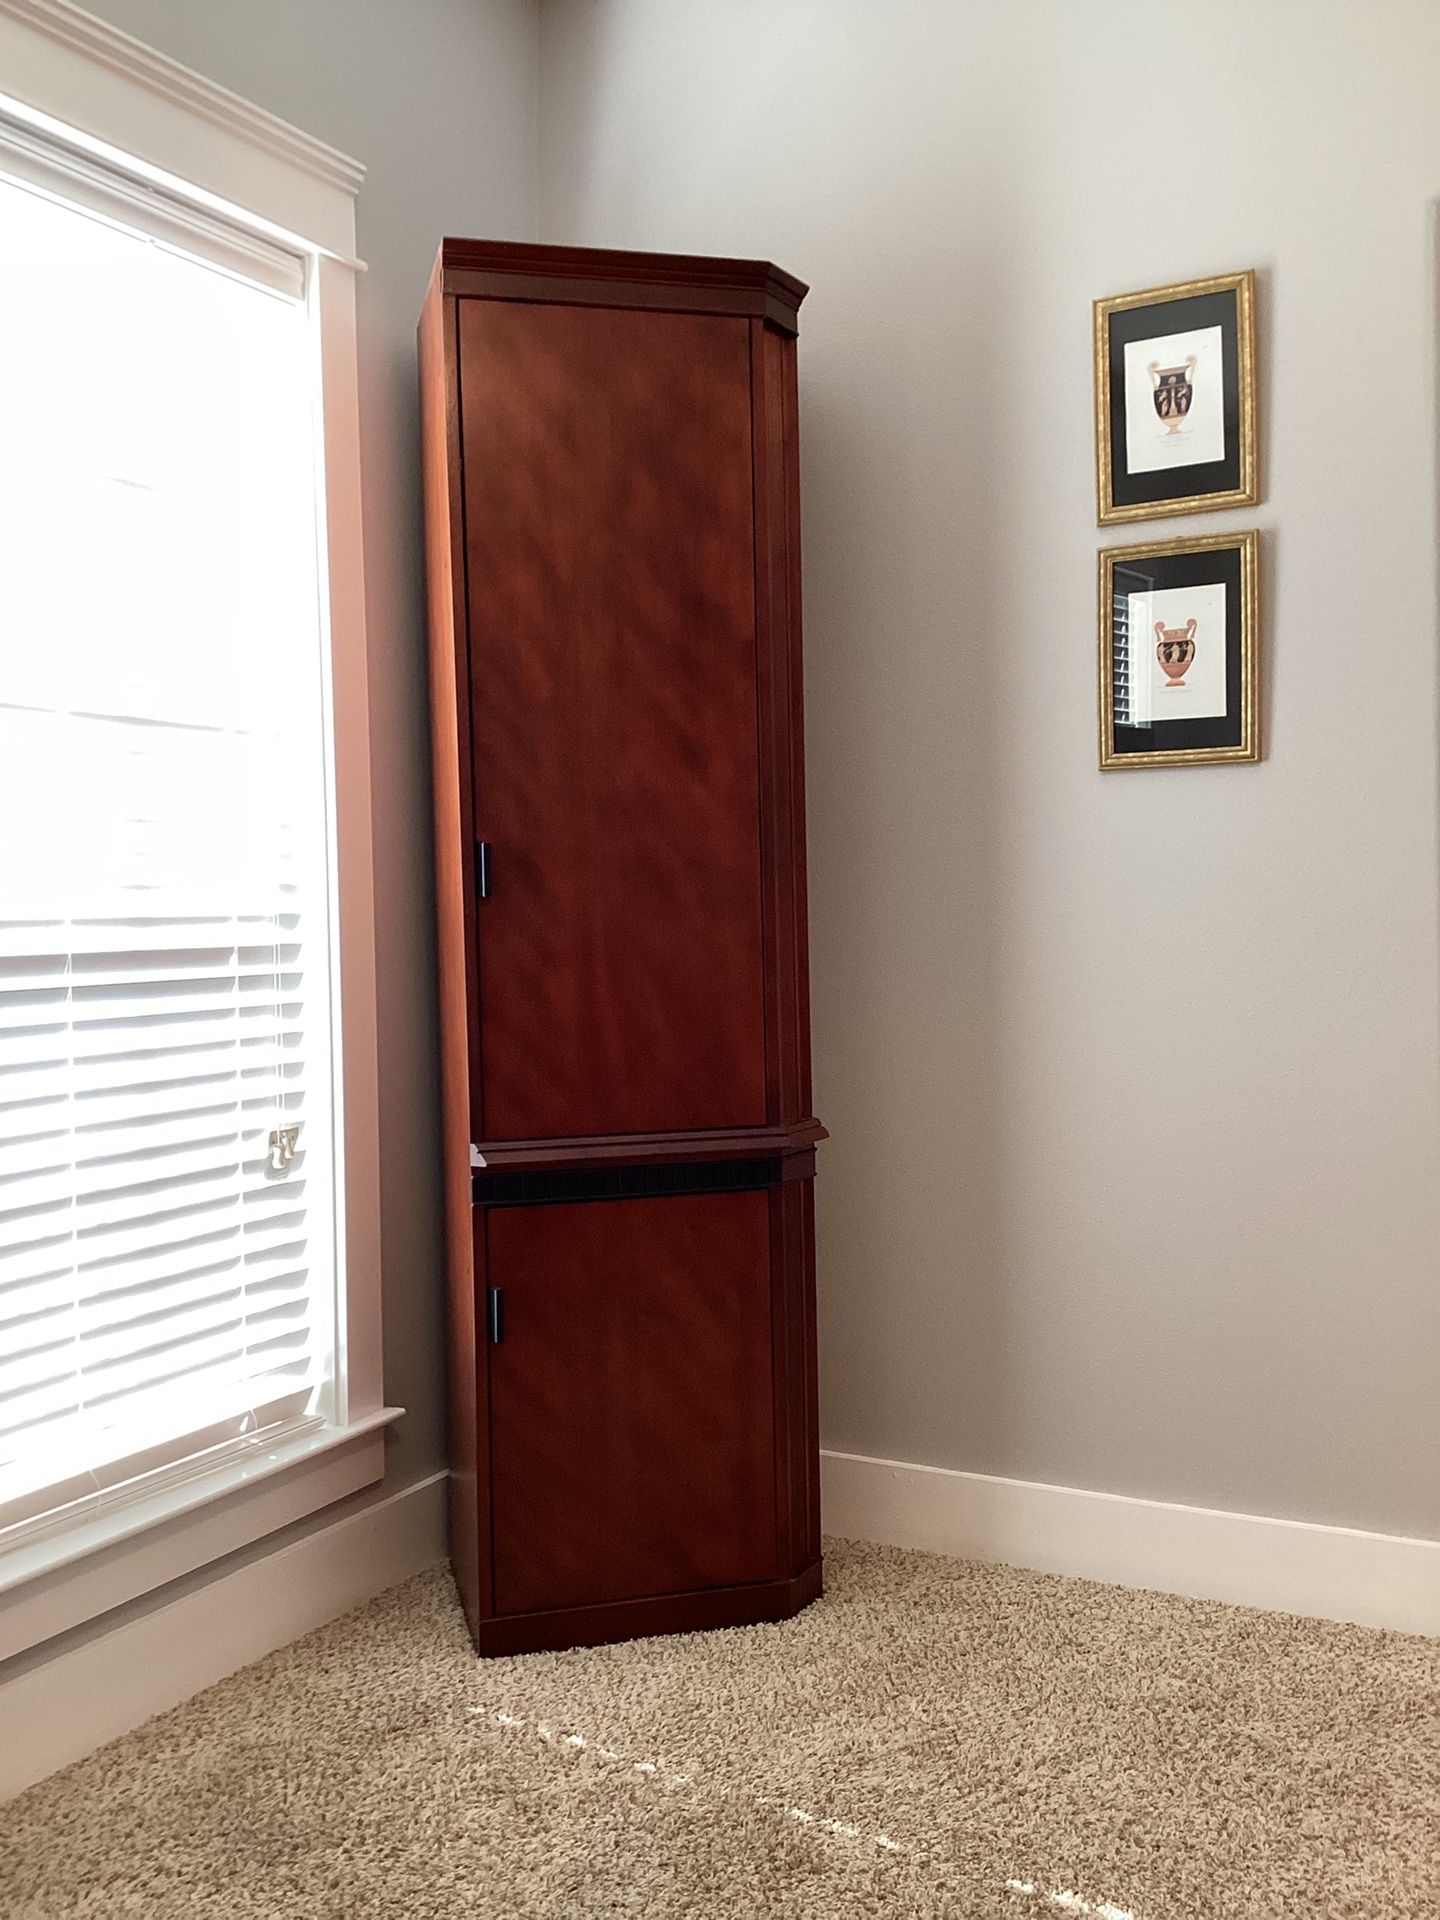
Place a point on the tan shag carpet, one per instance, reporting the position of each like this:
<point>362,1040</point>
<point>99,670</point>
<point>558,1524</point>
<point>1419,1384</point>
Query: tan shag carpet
<point>935,1738</point>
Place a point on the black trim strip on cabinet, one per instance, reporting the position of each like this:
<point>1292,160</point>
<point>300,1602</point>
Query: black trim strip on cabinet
<point>622,1183</point>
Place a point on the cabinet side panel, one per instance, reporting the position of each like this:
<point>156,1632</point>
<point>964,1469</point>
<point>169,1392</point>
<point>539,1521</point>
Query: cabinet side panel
<point>782,747</point>
<point>454,909</point>
<point>807,1539</point>
<point>797,1437</point>
<point>783,347</point>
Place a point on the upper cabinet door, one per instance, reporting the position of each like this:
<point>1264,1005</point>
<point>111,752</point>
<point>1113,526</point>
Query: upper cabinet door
<point>611,593</point>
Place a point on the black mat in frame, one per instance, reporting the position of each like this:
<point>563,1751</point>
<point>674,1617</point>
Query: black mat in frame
<point>1144,323</point>
<point>1207,567</point>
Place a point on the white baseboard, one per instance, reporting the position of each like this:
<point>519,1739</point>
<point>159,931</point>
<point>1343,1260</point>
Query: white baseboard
<point>1290,1566</point>
<point>60,1709</point>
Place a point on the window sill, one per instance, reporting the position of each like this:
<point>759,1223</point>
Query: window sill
<point>53,1583</point>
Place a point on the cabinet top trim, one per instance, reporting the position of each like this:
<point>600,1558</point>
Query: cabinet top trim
<point>601,276</point>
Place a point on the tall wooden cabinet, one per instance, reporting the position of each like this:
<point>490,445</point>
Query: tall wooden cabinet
<point>614,569</point>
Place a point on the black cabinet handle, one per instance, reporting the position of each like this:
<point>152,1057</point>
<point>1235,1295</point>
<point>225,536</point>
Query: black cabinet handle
<point>495,1314</point>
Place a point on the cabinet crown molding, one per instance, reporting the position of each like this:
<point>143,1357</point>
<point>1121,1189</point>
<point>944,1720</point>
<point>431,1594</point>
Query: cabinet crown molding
<point>603,276</point>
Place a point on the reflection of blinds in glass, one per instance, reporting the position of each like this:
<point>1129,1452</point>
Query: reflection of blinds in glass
<point>1129,662</point>
<point>1122,666</point>
<point>165,1287</point>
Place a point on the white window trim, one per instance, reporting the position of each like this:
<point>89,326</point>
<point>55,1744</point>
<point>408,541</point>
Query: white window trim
<point>133,104</point>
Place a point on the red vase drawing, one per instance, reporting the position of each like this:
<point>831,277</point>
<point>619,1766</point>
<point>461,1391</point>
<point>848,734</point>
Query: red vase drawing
<point>1174,393</point>
<point>1175,650</point>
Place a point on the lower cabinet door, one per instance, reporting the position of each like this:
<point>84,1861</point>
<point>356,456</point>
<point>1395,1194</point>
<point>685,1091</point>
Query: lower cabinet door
<point>631,1410</point>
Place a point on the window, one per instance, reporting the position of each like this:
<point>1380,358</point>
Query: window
<point>166,1235</point>
<point>188,1231</point>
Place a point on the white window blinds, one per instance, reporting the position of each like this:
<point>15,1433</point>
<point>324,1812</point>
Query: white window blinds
<point>167,1264</point>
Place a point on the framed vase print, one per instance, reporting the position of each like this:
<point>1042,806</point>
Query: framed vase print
<point>1179,652</point>
<point>1175,399</point>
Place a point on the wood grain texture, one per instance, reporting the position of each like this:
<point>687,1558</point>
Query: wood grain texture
<point>631,1399</point>
<point>455,918</point>
<point>611,596</point>
<point>611,463</point>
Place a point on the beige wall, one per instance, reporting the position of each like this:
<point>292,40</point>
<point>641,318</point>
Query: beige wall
<point>437,98</point>
<point>1133,1079</point>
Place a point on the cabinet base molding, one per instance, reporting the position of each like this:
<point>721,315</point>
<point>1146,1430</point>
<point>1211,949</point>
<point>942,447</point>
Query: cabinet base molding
<point>747,1606</point>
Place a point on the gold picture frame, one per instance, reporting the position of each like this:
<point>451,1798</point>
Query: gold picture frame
<point>1225,416</point>
<point>1135,730</point>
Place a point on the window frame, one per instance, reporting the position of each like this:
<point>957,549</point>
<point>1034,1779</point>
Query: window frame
<point>75,78</point>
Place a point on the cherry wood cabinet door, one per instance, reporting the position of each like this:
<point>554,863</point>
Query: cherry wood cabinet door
<point>609,537</point>
<point>631,1415</point>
